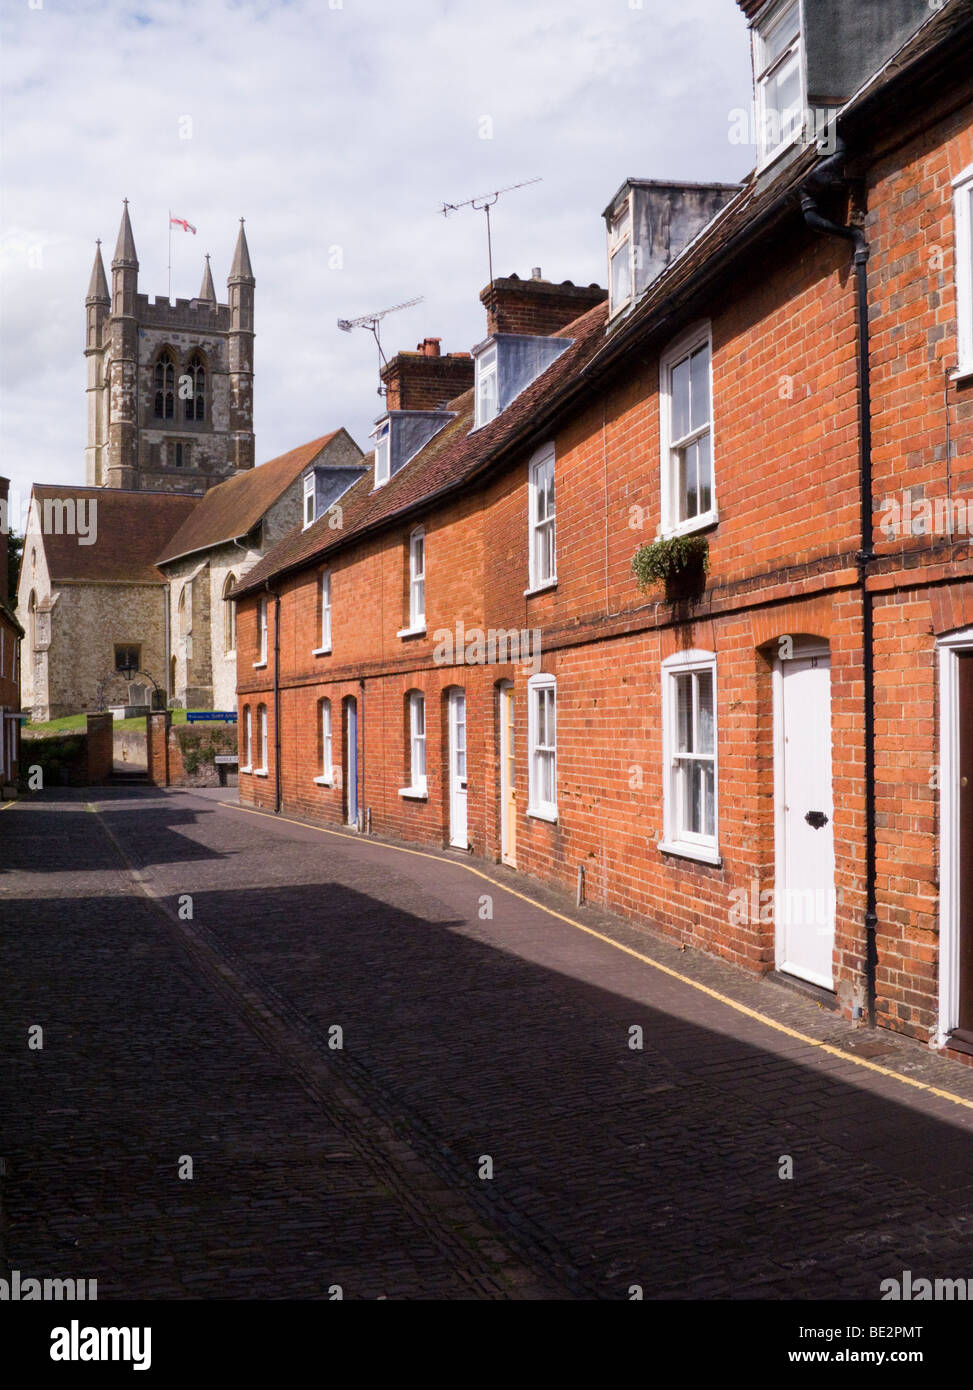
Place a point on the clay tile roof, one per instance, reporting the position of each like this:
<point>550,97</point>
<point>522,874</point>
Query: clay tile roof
<point>450,459</point>
<point>234,507</point>
<point>456,456</point>
<point>130,528</point>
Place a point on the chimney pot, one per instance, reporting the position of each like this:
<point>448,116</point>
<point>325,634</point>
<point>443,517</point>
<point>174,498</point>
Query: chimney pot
<point>426,379</point>
<point>535,274</point>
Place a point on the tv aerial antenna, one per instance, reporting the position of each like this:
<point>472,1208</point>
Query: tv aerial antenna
<point>483,202</point>
<point>372,322</point>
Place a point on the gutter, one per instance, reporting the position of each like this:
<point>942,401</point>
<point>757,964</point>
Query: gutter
<point>828,177</point>
<point>276,697</point>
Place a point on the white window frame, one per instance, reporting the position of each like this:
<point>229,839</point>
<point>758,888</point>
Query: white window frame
<point>616,247</point>
<point>261,633</point>
<point>963,230</point>
<point>763,71</point>
<point>417,583</point>
<point>229,618</point>
<point>688,844</point>
<point>541,809</point>
<point>263,769</point>
<point>417,789</point>
<point>324,600</point>
<point>669,525</point>
<point>486,367</point>
<point>543,460</point>
<point>326,777</point>
<point>382,434</point>
<point>248,738</point>
<point>308,497</point>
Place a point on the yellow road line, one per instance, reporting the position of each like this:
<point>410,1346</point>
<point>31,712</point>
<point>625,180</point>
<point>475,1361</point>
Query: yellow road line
<point>7,805</point>
<point>638,955</point>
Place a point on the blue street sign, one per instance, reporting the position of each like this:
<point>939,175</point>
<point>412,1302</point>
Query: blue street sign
<point>227,716</point>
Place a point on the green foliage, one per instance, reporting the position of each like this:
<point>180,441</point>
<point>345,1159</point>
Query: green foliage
<point>61,757</point>
<point>666,562</point>
<point>200,743</point>
<point>15,550</point>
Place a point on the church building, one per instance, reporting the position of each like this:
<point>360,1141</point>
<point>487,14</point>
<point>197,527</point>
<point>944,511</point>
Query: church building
<point>124,584</point>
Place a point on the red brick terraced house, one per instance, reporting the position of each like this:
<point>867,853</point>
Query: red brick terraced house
<point>763,744</point>
<point>11,635</point>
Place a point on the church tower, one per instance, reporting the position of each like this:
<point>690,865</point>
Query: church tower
<point>170,386</point>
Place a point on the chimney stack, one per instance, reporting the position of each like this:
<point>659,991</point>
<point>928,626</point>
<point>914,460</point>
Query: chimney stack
<point>425,379</point>
<point>535,307</point>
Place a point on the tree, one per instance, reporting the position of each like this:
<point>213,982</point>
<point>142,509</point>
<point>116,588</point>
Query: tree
<point>15,550</point>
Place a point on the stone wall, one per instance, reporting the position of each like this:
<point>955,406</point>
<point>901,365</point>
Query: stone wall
<point>87,621</point>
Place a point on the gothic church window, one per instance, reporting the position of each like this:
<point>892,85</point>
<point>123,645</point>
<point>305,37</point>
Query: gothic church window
<point>165,386</point>
<point>196,399</point>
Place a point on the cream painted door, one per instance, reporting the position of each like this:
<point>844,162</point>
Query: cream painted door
<point>508,782</point>
<point>804,900</point>
<point>457,769</point>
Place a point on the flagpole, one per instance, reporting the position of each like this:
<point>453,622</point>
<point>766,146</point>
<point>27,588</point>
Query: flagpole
<point>169,294</point>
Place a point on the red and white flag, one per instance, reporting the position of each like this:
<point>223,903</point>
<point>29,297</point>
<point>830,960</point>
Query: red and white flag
<point>181,222</point>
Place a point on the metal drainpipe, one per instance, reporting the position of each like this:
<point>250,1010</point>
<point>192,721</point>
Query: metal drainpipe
<point>361,726</point>
<point>168,643</point>
<point>827,176</point>
<point>277,780</point>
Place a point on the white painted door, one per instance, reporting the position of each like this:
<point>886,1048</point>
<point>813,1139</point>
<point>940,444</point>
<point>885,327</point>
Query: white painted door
<point>457,769</point>
<point>804,900</point>
<point>508,785</point>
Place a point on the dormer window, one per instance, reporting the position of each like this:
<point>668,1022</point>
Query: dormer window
<point>506,364</point>
<point>487,397</point>
<point>620,258</point>
<point>308,499</point>
<point>777,80</point>
<point>382,433</point>
<point>400,435</point>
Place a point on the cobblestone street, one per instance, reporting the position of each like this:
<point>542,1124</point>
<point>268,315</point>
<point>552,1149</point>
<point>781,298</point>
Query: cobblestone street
<point>466,1037</point>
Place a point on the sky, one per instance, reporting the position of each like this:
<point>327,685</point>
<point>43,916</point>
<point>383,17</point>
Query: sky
<point>337,128</point>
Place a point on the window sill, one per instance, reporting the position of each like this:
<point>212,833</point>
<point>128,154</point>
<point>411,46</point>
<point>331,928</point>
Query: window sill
<point>323,782</point>
<point>245,769</point>
<point>414,793</point>
<point>259,665</point>
<point>544,588</point>
<point>687,528</point>
<point>700,853</point>
<point>411,631</point>
<point>964,372</point>
<point>260,772</point>
<point>321,651</point>
<point>540,813</point>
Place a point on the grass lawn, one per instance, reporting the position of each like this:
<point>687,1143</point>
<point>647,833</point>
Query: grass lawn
<point>76,723</point>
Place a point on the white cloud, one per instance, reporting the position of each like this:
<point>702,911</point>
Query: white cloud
<point>329,126</point>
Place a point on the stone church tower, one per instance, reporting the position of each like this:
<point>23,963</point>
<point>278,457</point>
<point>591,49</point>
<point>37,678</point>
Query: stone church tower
<point>170,387</point>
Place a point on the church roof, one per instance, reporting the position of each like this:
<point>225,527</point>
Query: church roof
<point>232,508</point>
<point>129,529</point>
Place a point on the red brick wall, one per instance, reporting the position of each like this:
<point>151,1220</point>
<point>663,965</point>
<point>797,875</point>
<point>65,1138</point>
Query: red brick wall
<point>782,563</point>
<point>100,747</point>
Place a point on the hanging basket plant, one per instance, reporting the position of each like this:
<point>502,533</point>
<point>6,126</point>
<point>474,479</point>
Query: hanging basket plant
<point>678,563</point>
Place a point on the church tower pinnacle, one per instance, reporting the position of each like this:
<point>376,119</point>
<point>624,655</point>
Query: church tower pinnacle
<point>240,285</point>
